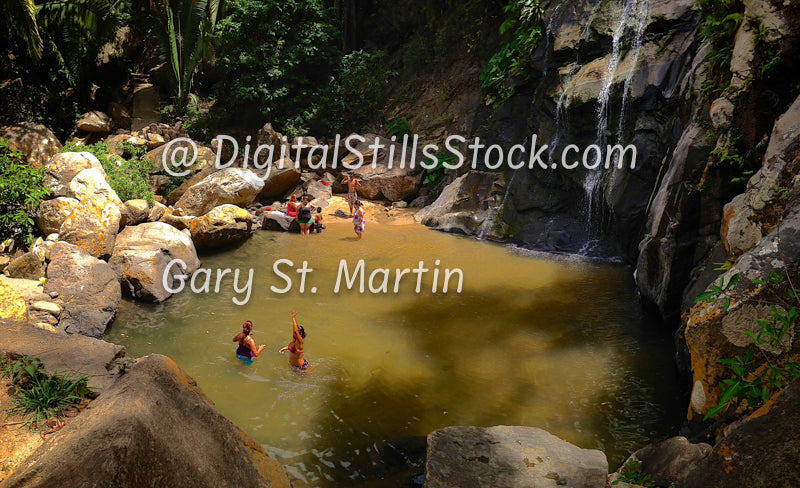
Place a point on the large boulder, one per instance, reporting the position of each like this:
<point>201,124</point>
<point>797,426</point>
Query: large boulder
<point>267,136</point>
<point>463,206</point>
<point>190,181</point>
<point>153,427</point>
<point>234,186</point>
<point>390,179</point>
<point>280,181</point>
<point>671,462</point>
<point>223,226</point>
<point>279,221</point>
<point>142,255</point>
<point>197,157</point>
<point>52,213</point>
<point>95,121</point>
<point>91,183</point>
<point>319,192</point>
<point>762,452</point>
<point>522,457</point>
<point>63,167</point>
<point>88,286</point>
<point>93,226</point>
<point>35,141</point>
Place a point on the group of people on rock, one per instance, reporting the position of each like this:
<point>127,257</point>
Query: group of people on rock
<point>310,217</point>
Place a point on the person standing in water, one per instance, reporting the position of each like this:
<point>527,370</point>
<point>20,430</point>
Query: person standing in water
<point>352,195</point>
<point>304,217</point>
<point>358,219</point>
<point>247,346</point>
<point>296,348</point>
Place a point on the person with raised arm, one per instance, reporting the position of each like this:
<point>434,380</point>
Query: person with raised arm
<point>352,194</point>
<point>296,348</point>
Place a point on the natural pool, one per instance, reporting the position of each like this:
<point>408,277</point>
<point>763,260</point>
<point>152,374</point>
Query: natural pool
<point>552,343</point>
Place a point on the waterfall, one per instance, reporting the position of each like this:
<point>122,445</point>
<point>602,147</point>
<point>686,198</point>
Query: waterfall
<point>635,12</point>
<point>565,97</point>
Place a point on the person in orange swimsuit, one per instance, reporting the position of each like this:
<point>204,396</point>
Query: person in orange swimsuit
<point>296,348</point>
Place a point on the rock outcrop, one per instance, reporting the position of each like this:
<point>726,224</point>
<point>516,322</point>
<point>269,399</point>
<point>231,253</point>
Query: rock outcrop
<point>464,205</point>
<point>88,286</point>
<point>383,176</point>
<point>142,257</point>
<point>152,427</point>
<point>29,266</point>
<point>522,457</point>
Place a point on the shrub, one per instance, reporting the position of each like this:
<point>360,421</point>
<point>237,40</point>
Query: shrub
<point>129,178</point>
<point>524,29</point>
<point>21,191</point>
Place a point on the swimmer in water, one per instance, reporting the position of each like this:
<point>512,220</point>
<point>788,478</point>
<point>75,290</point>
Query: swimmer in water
<point>296,348</point>
<point>247,346</point>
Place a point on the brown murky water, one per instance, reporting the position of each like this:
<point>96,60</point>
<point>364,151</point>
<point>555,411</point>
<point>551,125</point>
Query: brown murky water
<point>556,344</point>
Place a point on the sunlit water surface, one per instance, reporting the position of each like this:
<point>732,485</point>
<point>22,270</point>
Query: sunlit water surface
<point>556,344</point>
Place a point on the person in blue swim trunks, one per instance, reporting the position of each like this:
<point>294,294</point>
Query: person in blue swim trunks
<point>247,349</point>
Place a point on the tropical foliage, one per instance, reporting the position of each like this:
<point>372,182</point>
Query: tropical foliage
<point>21,191</point>
<point>188,30</point>
<point>523,29</point>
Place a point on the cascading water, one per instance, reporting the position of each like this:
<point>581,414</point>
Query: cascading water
<point>634,12</point>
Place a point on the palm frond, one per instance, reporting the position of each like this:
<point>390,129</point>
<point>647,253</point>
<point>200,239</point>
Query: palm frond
<point>21,14</point>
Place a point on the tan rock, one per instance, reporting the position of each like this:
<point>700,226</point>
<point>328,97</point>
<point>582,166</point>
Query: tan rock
<point>53,309</point>
<point>223,226</point>
<point>95,121</point>
<point>234,186</point>
<point>35,141</point>
<point>93,226</point>
<point>142,257</point>
<point>134,212</point>
<point>52,213</point>
<point>91,183</point>
<point>63,167</point>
